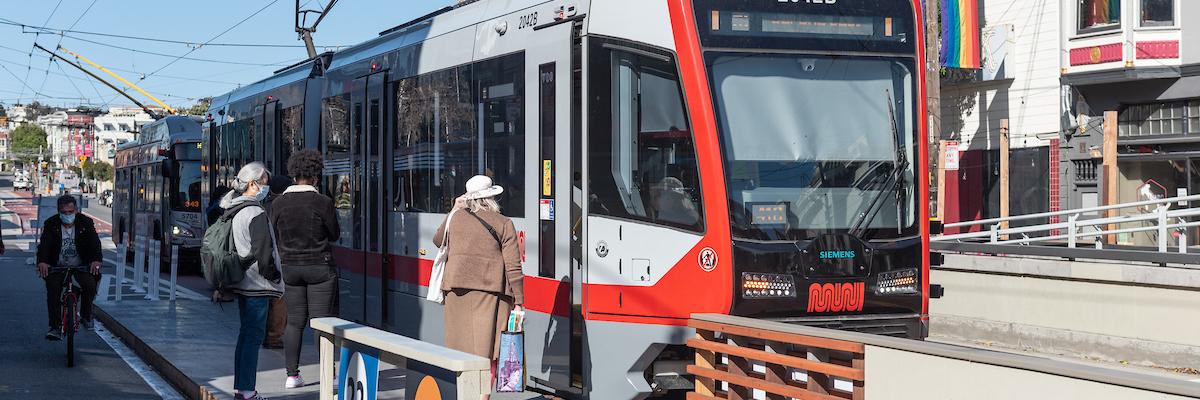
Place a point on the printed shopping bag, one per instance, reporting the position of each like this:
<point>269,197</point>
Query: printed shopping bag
<point>510,374</point>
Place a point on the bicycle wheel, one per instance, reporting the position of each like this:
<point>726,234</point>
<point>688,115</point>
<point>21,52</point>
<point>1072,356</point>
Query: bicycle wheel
<point>69,323</point>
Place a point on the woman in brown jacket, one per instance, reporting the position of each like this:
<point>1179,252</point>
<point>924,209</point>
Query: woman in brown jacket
<point>483,280</point>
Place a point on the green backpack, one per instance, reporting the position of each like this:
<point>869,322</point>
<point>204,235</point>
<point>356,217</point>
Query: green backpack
<point>222,265</point>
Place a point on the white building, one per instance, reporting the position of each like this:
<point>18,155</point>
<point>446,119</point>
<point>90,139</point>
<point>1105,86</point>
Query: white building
<point>1019,83</point>
<point>117,127</point>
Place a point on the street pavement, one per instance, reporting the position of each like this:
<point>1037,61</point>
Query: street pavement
<point>34,368</point>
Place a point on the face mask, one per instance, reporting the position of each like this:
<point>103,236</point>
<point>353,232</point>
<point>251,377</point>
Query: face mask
<point>261,195</point>
<point>67,218</point>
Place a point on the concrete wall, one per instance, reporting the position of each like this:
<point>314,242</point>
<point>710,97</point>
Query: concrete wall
<point>1141,314</point>
<point>890,374</point>
<point>1030,100</point>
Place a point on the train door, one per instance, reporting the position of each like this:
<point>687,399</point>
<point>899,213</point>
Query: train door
<point>270,138</point>
<point>549,59</point>
<point>367,119</point>
<point>376,199</point>
<point>353,283</point>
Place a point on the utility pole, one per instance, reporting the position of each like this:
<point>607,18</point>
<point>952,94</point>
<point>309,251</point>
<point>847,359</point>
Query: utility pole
<point>933,92</point>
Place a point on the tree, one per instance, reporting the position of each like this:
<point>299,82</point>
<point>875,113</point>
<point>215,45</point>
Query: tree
<point>27,141</point>
<point>200,108</point>
<point>97,170</point>
<point>3,112</point>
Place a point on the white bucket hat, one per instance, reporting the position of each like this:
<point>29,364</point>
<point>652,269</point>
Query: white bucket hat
<point>480,186</point>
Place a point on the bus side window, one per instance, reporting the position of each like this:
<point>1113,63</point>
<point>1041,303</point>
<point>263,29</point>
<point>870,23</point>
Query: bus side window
<point>641,151</point>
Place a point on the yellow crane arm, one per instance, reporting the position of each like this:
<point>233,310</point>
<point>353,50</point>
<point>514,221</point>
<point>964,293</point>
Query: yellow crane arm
<point>114,75</point>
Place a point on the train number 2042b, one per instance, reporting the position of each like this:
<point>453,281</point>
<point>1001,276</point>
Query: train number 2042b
<point>528,21</point>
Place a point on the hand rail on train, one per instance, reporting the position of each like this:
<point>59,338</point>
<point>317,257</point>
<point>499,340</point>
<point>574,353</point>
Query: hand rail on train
<point>471,372</point>
<point>736,356</point>
<point>1169,226</point>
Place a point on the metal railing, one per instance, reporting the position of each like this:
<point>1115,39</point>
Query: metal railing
<point>1160,219</point>
<point>743,358</point>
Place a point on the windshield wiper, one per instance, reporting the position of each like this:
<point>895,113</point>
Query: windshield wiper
<point>894,180</point>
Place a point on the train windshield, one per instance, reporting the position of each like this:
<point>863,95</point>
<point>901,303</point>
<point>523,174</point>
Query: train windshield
<point>816,143</point>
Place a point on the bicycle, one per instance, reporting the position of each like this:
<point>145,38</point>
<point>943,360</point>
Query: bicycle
<point>69,309</point>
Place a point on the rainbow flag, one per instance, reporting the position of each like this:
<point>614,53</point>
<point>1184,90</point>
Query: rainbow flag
<point>960,34</point>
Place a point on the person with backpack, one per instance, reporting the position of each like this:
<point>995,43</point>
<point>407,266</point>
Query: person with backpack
<point>306,225</point>
<point>240,256</point>
<point>483,279</point>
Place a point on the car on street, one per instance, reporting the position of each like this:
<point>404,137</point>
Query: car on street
<point>22,184</point>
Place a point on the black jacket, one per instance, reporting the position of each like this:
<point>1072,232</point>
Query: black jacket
<point>87,241</point>
<point>306,226</point>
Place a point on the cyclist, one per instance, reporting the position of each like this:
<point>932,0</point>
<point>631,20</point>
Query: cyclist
<point>68,240</point>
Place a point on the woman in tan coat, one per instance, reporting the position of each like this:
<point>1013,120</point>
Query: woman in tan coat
<point>483,280</point>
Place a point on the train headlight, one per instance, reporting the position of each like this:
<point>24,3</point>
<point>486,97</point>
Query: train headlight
<point>179,231</point>
<point>756,285</point>
<point>897,282</point>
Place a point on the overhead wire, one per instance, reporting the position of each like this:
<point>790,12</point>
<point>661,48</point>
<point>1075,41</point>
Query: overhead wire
<point>50,30</point>
<point>56,46</point>
<point>239,23</point>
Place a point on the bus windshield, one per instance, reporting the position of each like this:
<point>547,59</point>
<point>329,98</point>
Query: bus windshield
<point>808,144</point>
<point>187,188</point>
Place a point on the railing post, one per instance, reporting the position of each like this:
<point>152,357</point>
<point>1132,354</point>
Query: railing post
<point>139,264</point>
<point>1183,241</point>
<point>153,266</point>
<point>1072,220</point>
<point>1162,228</point>
<point>120,271</point>
<point>995,233</point>
<point>174,270</point>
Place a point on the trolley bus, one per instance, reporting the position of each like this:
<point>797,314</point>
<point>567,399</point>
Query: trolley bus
<point>660,158</point>
<point>157,187</point>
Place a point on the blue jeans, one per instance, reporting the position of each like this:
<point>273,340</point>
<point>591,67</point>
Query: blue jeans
<point>253,312</point>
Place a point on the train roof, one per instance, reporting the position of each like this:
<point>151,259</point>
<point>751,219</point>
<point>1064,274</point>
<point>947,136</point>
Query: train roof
<point>448,20</point>
<point>287,75</point>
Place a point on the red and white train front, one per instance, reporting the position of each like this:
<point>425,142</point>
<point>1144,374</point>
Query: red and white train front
<point>785,180</point>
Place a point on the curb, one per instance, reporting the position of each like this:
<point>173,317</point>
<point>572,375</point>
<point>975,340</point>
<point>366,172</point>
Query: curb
<point>180,381</point>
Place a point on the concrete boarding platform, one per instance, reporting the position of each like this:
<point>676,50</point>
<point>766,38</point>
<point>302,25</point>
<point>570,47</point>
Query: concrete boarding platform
<point>190,343</point>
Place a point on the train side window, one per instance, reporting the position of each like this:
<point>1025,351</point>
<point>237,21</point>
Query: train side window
<point>641,151</point>
<point>335,133</point>
<point>500,85</point>
<point>292,133</point>
<point>434,140</point>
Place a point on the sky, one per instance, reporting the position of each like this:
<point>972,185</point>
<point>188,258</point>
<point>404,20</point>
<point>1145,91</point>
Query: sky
<point>27,74</point>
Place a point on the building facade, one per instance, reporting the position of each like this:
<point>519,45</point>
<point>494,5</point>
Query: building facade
<point>1140,61</point>
<point>1016,90</point>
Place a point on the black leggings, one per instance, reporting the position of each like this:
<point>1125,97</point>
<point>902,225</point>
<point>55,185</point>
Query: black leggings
<point>311,292</point>
<point>54,286</point>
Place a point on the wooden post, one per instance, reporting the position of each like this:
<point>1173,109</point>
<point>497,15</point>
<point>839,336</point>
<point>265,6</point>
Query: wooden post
<point>933,94</point>
<point>705,359</point>
<point>941,181</point>
<point>1004,182</point>
<point>1109,187</point>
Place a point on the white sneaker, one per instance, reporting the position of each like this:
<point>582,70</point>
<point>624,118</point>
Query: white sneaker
<point>293,382</point>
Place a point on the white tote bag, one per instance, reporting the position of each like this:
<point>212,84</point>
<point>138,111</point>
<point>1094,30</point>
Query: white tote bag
<point>439,267</point>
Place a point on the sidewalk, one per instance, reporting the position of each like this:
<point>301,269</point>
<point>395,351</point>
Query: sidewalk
<point>190,343</point>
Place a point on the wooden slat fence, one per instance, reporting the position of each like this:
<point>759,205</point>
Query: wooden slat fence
<point>733,361</point>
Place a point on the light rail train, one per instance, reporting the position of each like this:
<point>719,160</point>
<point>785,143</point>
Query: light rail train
<point>660,158</point>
